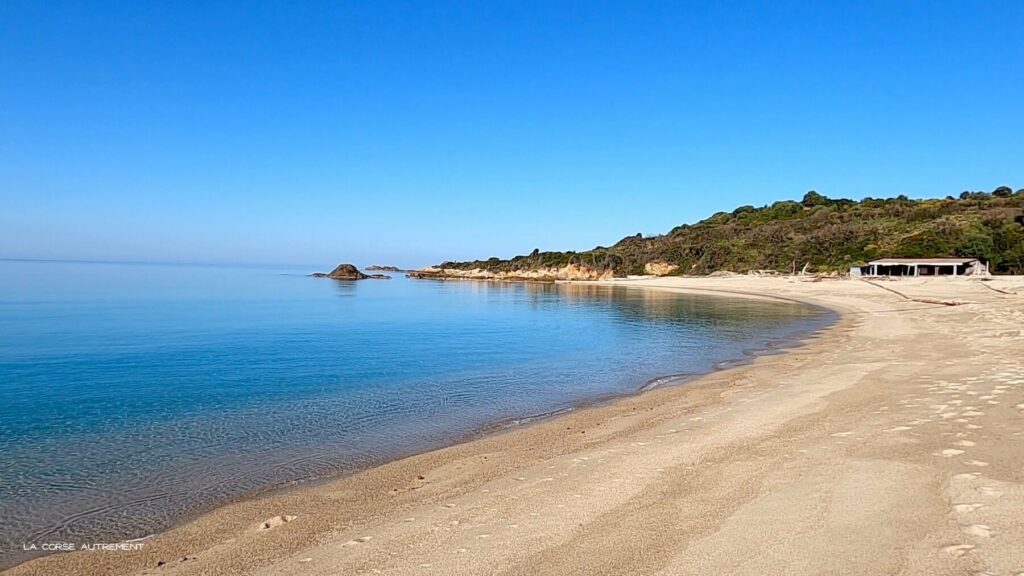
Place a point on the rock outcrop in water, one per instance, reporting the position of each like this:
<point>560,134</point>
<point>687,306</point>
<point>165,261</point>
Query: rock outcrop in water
<point>375,267</point>
<point>349,272</point>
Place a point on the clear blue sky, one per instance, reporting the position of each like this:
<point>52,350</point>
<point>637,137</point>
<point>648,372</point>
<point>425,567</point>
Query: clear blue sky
<point>409,133</point>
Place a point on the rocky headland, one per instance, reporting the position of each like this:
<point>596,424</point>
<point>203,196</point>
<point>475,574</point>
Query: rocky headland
<point>545,274</point>
<point>816,234</point>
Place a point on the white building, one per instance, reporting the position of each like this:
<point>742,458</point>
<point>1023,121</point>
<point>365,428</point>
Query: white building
<point>922,267</point>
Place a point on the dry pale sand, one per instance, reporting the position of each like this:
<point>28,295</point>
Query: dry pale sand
<point>891,444</point>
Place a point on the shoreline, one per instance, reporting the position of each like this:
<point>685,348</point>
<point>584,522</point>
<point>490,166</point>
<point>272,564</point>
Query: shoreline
<point>769,346</point>
<point>324,535</point>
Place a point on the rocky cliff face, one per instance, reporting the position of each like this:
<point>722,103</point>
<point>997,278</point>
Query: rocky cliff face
<point>551,274</point>
<point>349,272</point>
<point>660,268</point>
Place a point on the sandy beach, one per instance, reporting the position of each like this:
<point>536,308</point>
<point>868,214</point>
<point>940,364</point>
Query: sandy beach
<point>892,443</point>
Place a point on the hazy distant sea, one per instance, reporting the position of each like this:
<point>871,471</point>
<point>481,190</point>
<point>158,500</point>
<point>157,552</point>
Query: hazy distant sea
<point>133,396</point>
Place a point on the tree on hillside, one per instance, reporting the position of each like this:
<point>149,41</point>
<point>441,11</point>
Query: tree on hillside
<point>812,198</point>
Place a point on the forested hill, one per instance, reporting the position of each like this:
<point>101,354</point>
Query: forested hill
<point>825,234</point>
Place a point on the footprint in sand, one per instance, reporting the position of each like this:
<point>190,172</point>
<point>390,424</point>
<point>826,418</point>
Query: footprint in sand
<point>898,429</point>
<point>978,463</point>
<point>950,452</point>
<point>989,491</point>
<point>972,413</point>
<point>360,540</point>
<point>275,522</point>
<point>967,508</point>
<point>958,550</point>
<point>964,443</point>
<point>978,531</point>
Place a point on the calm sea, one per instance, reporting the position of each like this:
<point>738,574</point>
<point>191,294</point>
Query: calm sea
<point>134,396</point>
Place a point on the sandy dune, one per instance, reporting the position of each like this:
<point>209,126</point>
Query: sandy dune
<point>893,443</point>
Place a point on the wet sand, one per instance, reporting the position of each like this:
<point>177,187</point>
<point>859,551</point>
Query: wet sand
<point>891,443</point>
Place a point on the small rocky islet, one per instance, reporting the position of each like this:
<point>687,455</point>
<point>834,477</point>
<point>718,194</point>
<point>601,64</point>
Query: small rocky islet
<point>349,272</point>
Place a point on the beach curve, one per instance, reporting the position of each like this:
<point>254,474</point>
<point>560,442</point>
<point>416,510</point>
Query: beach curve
<point>794,463</point>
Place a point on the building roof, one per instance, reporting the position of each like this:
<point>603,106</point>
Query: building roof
<point>925,261</point>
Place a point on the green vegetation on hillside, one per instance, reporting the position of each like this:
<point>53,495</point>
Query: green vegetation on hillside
<point>825,234</point>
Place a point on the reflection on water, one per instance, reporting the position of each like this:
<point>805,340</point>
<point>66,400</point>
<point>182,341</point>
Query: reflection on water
<point>134,396</point>
<point>344,287</point>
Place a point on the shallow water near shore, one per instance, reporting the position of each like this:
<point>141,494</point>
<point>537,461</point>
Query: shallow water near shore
<point>135,396</point>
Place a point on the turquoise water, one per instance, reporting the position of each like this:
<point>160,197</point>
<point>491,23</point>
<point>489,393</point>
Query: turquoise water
<point>134,396</point>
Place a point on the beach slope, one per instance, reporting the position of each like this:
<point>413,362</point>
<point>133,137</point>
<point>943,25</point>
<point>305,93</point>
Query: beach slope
<point>893,442</point>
